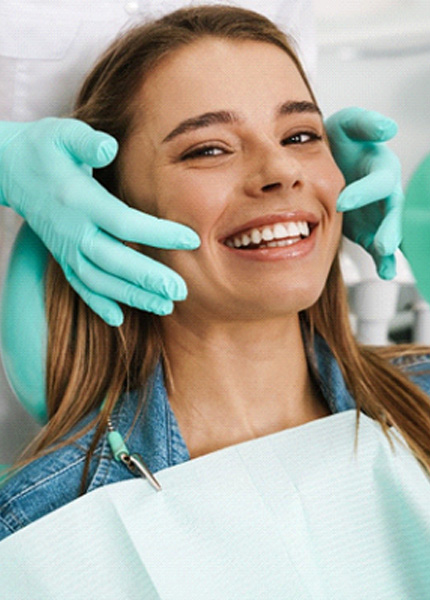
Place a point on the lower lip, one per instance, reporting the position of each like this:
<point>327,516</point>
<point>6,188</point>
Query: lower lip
<point>297,250</point>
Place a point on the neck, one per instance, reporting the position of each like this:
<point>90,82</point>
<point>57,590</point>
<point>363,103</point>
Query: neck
<point>232,382</point>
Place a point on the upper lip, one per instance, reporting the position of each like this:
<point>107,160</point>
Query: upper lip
<point>272,218</point>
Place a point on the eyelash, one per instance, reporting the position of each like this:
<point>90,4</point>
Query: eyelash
<point>313,137</point>
<point>200,152</point>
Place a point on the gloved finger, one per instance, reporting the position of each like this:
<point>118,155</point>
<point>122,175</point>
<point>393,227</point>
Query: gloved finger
<point>363,125</point>
<point>108,287</point>
<point>132,225</point>
<point>113,257</point>
<point>128,224</point>
<point>106,309</point>
<point>370,126</point>
<point>365,240</point>
<point>385,265</point>
<point>85,144</point>
<point>377,185</point>
<point>389,234</point>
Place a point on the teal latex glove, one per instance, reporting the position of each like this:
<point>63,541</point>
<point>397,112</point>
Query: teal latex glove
<point>46,177</point>
<point>373,197</point>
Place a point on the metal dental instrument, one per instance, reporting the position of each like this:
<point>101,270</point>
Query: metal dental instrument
<point>134,462</point>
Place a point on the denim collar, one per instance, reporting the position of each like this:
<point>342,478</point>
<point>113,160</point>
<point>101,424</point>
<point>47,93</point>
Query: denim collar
<point>157,437</point>
<point>328,375</point>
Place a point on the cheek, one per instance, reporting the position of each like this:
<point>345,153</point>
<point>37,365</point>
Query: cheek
<point>194,198</point>
<point>330,181</point>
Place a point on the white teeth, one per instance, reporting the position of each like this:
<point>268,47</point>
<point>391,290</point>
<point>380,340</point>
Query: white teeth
<point>277,231</point>
<point>255,236</point>
<point>281,243</point>
<point>246,240</point>
<point>304,228</point>
<point>267,234</point>
<point>292,228</point>
<point>289,242</point>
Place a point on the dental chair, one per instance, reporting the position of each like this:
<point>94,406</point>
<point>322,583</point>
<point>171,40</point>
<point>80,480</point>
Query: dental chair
<point>416,244</point>
<point>23,334</point>
<point>375,303</point>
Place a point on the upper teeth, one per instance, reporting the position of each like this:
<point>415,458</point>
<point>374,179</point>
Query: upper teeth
<point>277,231</point>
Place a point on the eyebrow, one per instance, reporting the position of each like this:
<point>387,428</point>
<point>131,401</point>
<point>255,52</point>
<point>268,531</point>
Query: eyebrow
<point>228,117</point>
<point>294,106</point>
<point>204,120</point>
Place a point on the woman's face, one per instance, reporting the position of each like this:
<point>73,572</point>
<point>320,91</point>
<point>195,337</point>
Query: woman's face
<point>229,142</point>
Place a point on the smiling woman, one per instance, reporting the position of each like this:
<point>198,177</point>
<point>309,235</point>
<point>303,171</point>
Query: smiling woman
<point>218,130</point>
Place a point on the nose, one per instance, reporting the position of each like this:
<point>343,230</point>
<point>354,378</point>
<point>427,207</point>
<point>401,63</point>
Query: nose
<point>272,169</point>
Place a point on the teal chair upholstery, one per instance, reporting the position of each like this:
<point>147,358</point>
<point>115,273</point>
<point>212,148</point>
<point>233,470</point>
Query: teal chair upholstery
<point>23,331</point>
<point>416,226</point>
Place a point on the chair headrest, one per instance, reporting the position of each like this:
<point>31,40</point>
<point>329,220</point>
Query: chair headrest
<point>23,328</point>
<point>416,226</point>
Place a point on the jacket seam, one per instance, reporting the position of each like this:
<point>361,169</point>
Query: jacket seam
<point>6,525</point>
<point>169,435</point>
<point>102,468</point>
<point>41,482</point>
<point>402,361</point>
<point>101,473</point>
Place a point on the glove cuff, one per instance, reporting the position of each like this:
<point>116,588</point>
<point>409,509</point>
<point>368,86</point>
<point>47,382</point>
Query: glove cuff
<point>8,131</point>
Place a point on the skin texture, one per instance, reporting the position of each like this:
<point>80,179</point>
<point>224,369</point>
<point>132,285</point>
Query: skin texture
<point>234,346</point>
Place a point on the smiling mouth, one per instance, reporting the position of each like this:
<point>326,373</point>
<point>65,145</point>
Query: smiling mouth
<point>275,235</point>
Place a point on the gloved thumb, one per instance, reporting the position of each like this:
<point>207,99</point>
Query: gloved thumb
<point>85,144</point>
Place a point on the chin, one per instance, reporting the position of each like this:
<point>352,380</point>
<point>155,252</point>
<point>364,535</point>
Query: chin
<point>291,299</point>
<point>268,306</point>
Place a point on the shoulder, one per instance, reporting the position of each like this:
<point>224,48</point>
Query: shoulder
<point>52,481</point>
<point>39,488</point>
<point>416,366</point>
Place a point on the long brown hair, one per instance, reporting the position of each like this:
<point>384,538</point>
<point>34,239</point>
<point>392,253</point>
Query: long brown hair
<point>89,362</point>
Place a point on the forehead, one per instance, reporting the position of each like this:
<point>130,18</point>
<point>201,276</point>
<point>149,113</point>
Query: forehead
<point>249,77</point>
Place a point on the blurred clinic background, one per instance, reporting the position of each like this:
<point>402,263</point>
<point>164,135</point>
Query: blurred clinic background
<point>373,54</point>
<point>376,54</point>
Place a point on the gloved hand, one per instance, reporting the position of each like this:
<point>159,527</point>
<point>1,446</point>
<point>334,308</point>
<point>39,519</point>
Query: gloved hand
<point>373,197</point>
<point>45,176</point>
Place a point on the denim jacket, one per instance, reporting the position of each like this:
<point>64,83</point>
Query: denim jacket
<point>54,480</point>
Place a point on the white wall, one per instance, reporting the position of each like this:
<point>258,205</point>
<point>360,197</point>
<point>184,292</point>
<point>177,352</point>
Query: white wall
<point>376,54</point>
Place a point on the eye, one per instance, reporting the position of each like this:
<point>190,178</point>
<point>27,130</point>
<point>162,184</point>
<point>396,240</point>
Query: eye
<point>203,151</point>
<point>302,137</point>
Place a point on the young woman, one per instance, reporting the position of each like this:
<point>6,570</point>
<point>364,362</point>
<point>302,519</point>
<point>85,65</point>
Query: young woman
<point>218,130</point>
